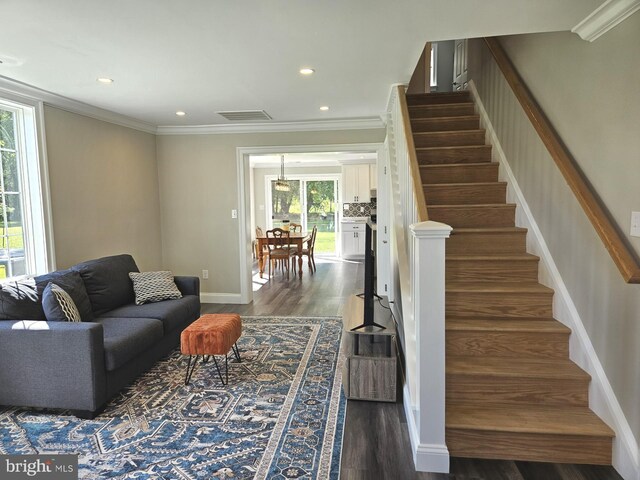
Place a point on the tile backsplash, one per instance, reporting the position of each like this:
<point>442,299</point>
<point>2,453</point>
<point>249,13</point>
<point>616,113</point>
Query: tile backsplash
<point>354,209</point>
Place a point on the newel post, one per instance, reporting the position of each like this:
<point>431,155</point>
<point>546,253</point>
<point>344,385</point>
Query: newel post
<point>428,295</point>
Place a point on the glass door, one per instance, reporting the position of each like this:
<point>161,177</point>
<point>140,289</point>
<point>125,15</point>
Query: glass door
<point>286,205</point>
<point>321,201</point>
<point>311,201</point>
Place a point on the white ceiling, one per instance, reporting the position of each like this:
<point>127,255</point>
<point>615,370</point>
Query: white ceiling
<point>204,56</point>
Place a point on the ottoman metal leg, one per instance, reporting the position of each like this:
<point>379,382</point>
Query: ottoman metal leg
<point>226,364</point>
<point>236,351</point>
<point>190,369</point>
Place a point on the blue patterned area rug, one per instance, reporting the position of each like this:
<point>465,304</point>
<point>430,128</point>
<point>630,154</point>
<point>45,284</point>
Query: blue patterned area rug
<point>281,415</point>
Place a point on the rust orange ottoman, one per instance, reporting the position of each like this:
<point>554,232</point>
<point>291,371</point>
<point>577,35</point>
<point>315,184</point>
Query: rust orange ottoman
<point>211,335</point>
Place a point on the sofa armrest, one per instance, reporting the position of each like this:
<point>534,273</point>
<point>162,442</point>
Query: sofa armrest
<point>188,285</point>
<point>52,364</point>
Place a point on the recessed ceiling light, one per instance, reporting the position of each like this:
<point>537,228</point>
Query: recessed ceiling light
<point>324,108</point>
<point>180,113</point>
<point>307,71</point>
<point>105,80</point>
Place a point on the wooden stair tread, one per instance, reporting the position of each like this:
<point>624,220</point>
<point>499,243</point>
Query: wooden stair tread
<point>488,229</point>
<point>542,325</point>
<point>446,117</point>
<point>514,367</point>
<point>498,287</point>
<point>530,418</point>
<point>513,257</point>
<point>452,147</point>
<point>451,132</point>
<point>465,184</point>
<point>474,205</point>
<point>457,165</point>
<point>432,105</point>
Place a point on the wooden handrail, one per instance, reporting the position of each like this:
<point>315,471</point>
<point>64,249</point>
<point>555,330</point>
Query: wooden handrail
<point>622,254</point>
<point>418,190</point>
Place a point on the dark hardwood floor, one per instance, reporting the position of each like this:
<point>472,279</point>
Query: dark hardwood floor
<point>376,440</point>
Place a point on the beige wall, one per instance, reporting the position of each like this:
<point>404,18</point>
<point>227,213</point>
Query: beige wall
<point>259,187</point>
<point>198,190</point>
<point>588,91</point>
<point>104,190</point>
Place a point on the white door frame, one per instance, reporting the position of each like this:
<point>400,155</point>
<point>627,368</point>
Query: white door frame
<point>244,216</point>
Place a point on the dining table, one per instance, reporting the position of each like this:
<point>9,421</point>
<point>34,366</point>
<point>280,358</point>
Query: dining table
<point>295,238</point>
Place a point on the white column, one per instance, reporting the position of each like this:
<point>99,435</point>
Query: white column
<point>428,295</point>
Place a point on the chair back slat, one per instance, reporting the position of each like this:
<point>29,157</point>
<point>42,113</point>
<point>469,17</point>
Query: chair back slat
<point>278,239</point>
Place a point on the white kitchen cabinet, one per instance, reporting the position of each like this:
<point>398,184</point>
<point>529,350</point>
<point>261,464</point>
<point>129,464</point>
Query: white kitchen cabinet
<point>357,188</point>
<point>373,177</point>
<point>353,239</point>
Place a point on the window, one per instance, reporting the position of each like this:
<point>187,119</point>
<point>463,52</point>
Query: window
<point>433,74</point>
<point>24,246</point>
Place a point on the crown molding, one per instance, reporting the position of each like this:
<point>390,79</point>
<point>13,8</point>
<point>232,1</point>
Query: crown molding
<point>24,90</point>
<point>304,126</point>
<point>74,106</point>
<point>605,17</point>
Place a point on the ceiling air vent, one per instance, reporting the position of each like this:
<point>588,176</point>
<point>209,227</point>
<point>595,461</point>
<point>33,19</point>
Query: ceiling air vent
<point>245,115</point>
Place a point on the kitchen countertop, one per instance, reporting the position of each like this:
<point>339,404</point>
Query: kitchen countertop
<point>354,219</point>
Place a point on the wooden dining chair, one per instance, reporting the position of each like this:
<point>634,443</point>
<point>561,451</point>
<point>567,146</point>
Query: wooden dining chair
<point>279,249</point>
<point>311,243</point>
<point>295,227</point>
<point>265,248</point>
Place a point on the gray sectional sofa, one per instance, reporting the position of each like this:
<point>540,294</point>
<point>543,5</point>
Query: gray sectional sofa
<point>81,366</point>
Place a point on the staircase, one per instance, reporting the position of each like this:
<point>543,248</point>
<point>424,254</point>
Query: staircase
<point>511,390</point>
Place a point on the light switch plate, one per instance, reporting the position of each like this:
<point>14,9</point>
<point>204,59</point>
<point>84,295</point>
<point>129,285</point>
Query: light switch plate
<point>635,224</point>
<point>234,213</point>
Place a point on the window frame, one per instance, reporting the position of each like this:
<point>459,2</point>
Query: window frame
<point>34,179</point>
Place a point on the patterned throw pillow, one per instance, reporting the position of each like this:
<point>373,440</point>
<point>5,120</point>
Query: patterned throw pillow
<point>154,287</point>
<point>58,305</point>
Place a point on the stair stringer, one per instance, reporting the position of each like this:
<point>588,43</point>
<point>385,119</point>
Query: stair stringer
<point>602,399</point>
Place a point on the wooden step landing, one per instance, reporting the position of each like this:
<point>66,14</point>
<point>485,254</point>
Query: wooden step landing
<point>454,154</point>
<point>538,433</point>
<point>465,193</point>
<point>492,268</point>
<point>522,381</point>
<point>459,173</point>
<point>479,300</point>
<point>487,240</point>
<point>438,98</point>
<point>439,124</point>
<point>486,215</point>
<point>443,110</point>
<point>507,337</point>
<point>449,138</point>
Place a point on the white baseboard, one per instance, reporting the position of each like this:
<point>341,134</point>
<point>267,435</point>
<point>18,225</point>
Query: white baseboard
<point>207,297</point>
<point>602,399</point>
<point>426,458</point>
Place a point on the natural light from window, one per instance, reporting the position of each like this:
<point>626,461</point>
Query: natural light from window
<point>23,245</point>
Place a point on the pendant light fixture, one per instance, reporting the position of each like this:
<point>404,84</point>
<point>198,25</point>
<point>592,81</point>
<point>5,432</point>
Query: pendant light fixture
<point>282,184</point>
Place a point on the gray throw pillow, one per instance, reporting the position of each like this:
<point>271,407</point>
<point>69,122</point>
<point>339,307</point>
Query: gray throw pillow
<point>58,305</point>
<point>154,287</point>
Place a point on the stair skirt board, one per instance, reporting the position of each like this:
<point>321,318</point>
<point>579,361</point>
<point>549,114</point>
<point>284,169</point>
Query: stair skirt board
<point>511,390</point>
<point>602,399</point>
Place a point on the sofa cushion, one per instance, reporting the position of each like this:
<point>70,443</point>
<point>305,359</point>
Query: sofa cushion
<point>152,287</point>
<point>107,281</point>
<point>58,305</point>
<point>71,282</point>
<point>126,338</point>
<point>19,301</point>
<point>173,313</point>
